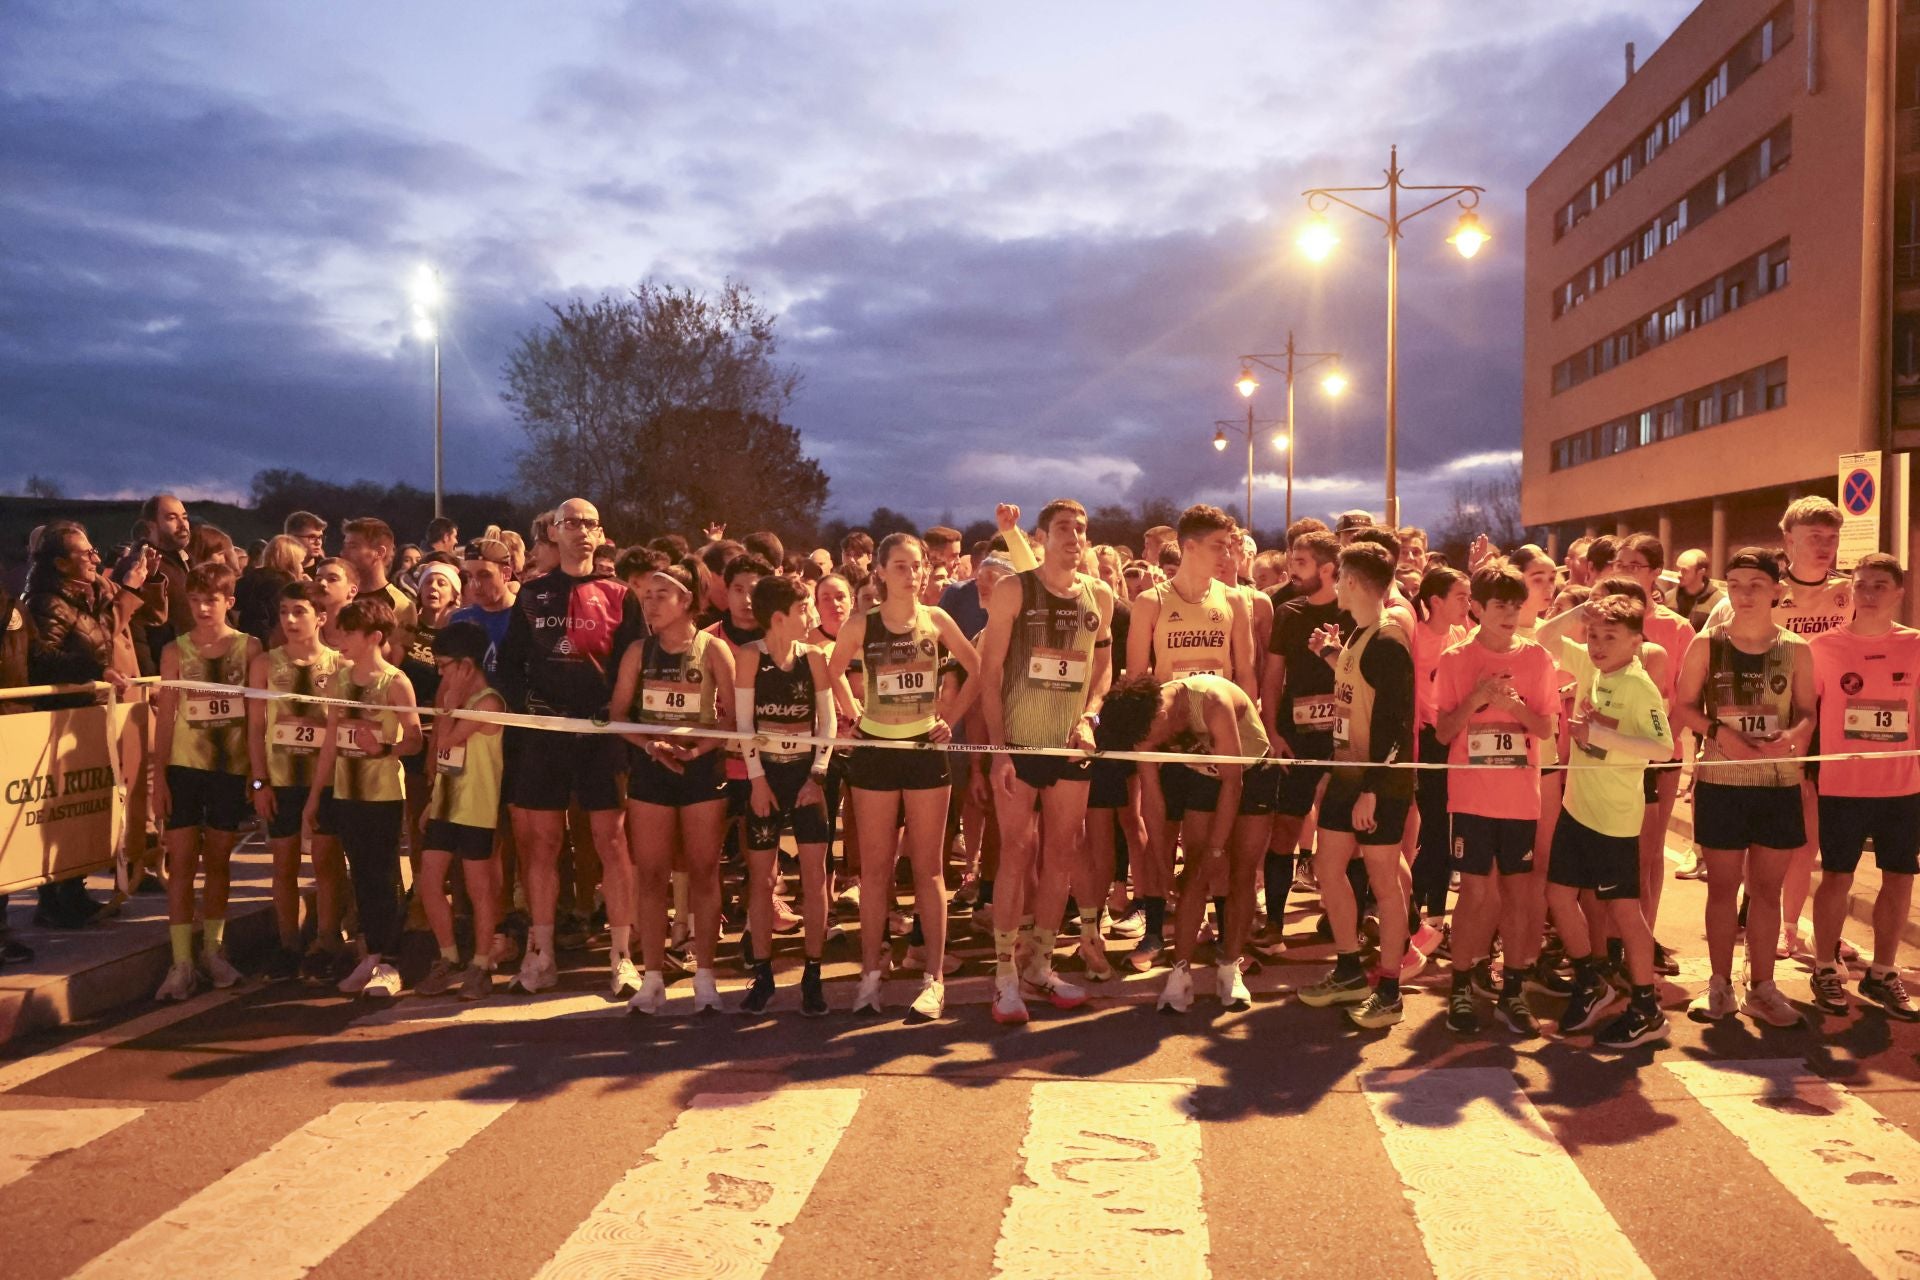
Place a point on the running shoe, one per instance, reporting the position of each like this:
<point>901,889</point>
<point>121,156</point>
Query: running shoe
<point>180,983</point>
<point>1664,962</point>
<point>1231,986</point>
<point>1377,1012</point>
<point>570,933</point>
<point>1695,868</point>
<point>316,965</point>
<point>1638,1025</point>
<point>1426,939</point>
<point>1514,1014</point>
<point>706,992</point>
<point>1848,954</point>
<point>382,984</point>
<point>1765,1003</point>
<point>1131,925</point>
<point>354,983</point>
<point>220,971</point>
<point>1093,956</point>
<point>1413,962</point>
<point>867,999</point>
<point>849,897</point>
<point>1303,881</point>
<point>1207,931</point>
<point>759,995</point>
<point>1008,1007</point>
<point>1176,994</point>
<point>1792,947</point>
<point>281,965</point>
<point>624,977</point>
<point>537,973</point>
<point>1584,1008</point>
<point>1543,981</point>
<point>932,1000</point>
<point>1145,954</point>
<point>439,980</point>
<point>813,994</point>
<point>1715,1004</point>
<point>969,890</point>
<point>1443,949</point>
<point>651,998</point>
<point>476,983</point>
<point>1334,989</point>
<point>785,918</point>
<point>917,961</point>
<point>1047,985</point>
<point>1890,993</point>
<point>1462,1014</point>
<point>1830,990</point>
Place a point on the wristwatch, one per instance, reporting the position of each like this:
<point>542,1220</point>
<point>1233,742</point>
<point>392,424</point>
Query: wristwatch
<point>256,784</point>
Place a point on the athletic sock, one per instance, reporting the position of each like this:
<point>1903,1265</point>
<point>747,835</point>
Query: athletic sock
<point>1090,927</point>
<point>180,937</point>
<point>813,965</point>
<point>916,936</point>
<point>1346,964</point>
<point>1278,870</point>
<point>1616,953</point>
<point>1510,982</point>
<point>1156,913</point>
<point>214,933</point>
<point>986,893</point>
<point>1388,987</point>
<point>1643,996</point>
<point>450,954</point>
<point>1220,913</point>
<point>542,937</point>
<point>1005,942</point>
<point>621,942</point>
<point>763,971</point>
<point>1043,944</point>
<point>1461,977</point>
<point>1586,973</point>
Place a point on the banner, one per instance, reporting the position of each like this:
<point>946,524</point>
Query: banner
<point>60,810</point>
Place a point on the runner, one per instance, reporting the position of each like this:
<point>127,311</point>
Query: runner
<point>459,820</point>
<point>1187,625</point>
<point>483,577</point>
<point>901,644</point>
<point>283,742</point>
<point>1866,672</point>
<point>1365,808</point>
<point>369,549</point>
<point>676,786</point>
<point>1496,696</point>
<point>1046,660</point>
<point>1208,715</point>
<point>569,629</point>
<point>1619,720</point>
<point>200,796</point>
<point>360,756</point>
<point>832,606</point>
<point>1442,596</point>
<point>1747,689</point>
<point>742,635</point>
<point>784,688</point>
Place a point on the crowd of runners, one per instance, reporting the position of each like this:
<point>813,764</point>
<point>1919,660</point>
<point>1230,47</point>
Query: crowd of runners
<point>959,704</point>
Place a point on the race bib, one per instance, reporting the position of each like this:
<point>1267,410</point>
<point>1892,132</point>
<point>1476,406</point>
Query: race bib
<point>1316,715</point>
<point>900,682</point>
<point>1506,748</point>
<point>359,738</point>
<point>451,761</point>
<point>1755,722</point>
<point>1343,725</point>
<point>214,710</point>
<point>670,702</point>
<point>1870,721</point>
<point>1057,668</point>
<point>297,735</point>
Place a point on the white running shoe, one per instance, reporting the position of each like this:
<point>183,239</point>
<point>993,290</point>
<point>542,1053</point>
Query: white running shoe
<point>1093,954</point>
<point>1231,986</point>
<point>706,992</point>
<point>219,970</point>
<point>651,998</point>
<point>537,973</point>
<point>1008,1008</point>
<point>625,977</point>
<point>1131,925</point>
<point>1764,1003</point>
<point>867,999</point>
<point>849,897</point>
<point>1176,994</point>
<point>1056,990</point>
<point>932,1000</point>
<point>1714,1004</point>
<point>917,961</point>
<point>356,982</point>
<point>383,983</point>
<point>180,983</point>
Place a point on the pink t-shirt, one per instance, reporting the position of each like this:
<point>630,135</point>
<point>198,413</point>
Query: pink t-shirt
<point>1493,736</point>
<point>1673,633</point>
<point>1428,645</point>
<point>1867,686</point>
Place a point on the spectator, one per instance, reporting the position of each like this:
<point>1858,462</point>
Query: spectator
<point>257,601</point>
<point>166,590</point>
<point>311,532</point>
<point>210,542</point>
<point>443,535</point>
<point>1698,592</point>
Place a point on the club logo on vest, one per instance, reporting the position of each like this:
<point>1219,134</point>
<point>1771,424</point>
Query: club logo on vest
<point>1778,683</point>
<point>1090,620</point>
<point>1851,683</point>
<point>926,646</point>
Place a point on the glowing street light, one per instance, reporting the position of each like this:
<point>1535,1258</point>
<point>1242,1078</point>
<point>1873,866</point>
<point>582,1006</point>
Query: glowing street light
<point>1334,384</point>
<point>1318,238</point>
<point>1246,384</point>
<point>1290,362</point>
<point>1280,443</point>
<point>1219,440</point>
<point>1469,235</point>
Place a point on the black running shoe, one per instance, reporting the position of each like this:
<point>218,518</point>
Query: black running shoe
<point>1830,991</point>
<point>1639,1024</point>
<point>1515,1016</point>
<point>1891,995</point>
<point>759,995</point>
<point>1542,980</point>
<point>1462,1015</point>
<point>1585,1006</point>
<point>813,996</point>
<point>1664,963</point>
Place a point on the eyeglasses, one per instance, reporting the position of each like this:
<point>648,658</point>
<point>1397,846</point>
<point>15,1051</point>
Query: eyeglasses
<point>579,524</point>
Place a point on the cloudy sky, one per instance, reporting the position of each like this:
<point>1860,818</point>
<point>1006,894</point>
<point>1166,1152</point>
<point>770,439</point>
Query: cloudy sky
<point>1016,248</point>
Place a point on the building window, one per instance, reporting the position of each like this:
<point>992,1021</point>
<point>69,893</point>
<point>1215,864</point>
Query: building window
<point>1733,404</point>
<point>1777,275</point>
<point>1757,390</point>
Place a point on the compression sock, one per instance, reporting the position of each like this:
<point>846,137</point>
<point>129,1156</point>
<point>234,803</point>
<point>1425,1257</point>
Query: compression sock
<point>180,938</point>
<point>214,933</point>
<point>1278,869</point>
<point>1156,913</point>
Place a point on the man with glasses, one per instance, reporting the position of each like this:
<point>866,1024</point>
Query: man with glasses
<point>562,646</point>
<point>310,531</point>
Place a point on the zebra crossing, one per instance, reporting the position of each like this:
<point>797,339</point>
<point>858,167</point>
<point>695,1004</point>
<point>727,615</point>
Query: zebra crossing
<point>1111,1177</point>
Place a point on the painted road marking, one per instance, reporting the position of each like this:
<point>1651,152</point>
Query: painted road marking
<point>28,1137</point>
<point>15,1074</point>
<point>350,1165</point>
<point>713,1195</point>
<point>1471,1127</point>
<point>1112,1185</point>
<point>1855,1170</point>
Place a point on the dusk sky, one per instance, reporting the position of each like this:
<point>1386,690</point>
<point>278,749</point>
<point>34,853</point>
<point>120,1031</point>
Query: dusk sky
<point>1015,249</point>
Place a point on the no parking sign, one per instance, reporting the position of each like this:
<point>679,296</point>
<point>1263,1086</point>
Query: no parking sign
<point>1860,500</point>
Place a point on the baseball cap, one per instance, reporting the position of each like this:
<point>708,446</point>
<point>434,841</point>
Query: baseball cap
<point>1756,558</point>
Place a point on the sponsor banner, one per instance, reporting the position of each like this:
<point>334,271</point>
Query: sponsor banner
<point>60,808</point>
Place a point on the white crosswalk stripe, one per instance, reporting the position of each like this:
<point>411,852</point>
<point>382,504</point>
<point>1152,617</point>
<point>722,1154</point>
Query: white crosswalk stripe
<point>1112,1185</point>
<point>28,1137</point>
<point>1856,1171</point>
<point>358,1160</point>
<point>1471,1127</point>
<point>711,1198</point>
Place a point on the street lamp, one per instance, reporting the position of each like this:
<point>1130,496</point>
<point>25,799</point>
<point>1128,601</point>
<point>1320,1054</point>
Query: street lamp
<point>1295,362</point>
<point>1251,430</point>
<point>427,297</point>
<point>1318,239</point>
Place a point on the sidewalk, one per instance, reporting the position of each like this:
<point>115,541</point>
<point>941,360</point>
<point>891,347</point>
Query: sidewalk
<point>78,974</point>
